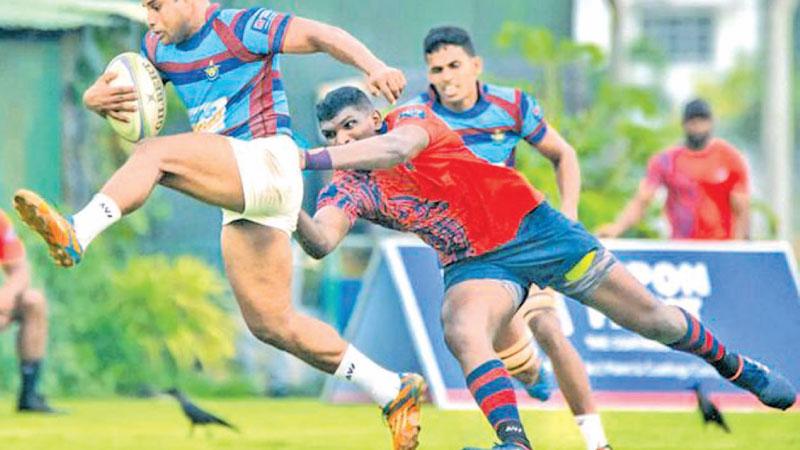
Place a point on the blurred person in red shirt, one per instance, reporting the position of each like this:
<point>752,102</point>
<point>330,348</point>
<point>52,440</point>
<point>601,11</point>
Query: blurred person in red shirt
<point>22,304</point>
<point>707,181</point>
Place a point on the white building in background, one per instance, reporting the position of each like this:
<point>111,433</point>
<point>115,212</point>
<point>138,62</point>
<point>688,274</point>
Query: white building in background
<point>701,38</point>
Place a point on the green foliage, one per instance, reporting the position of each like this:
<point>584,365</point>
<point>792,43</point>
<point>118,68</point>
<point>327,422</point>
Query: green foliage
<point>120,321</point>
<point>169,316</point>
<point>614,128</point>
<point>125,323</point>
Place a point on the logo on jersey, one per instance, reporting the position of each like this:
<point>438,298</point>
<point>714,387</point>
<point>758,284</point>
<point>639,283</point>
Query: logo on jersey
<point>498,136</point>
<point>264,20</point>
<point>209,117</point>
<point>412,114</point>
<point>212,71</point>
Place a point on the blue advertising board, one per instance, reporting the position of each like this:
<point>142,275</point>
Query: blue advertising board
<point>746,293</point>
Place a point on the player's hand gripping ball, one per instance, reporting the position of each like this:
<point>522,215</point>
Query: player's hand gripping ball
<point>135,70</point>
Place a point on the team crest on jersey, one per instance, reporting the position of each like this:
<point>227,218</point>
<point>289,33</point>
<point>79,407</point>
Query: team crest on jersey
<point>209,117</point>
<point>498,136</point>
<point>412,114</point>
<point>212,71</point>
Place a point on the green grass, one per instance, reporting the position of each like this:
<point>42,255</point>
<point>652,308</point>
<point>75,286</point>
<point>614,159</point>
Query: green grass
<point>122,424</point>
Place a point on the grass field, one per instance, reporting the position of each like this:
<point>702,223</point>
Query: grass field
<point>122,424</point>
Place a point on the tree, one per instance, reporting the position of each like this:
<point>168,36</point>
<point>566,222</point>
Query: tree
<point>614,128</point>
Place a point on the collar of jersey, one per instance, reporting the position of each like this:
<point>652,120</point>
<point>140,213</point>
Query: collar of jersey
<point>477,109</point>
<point>194,41</point>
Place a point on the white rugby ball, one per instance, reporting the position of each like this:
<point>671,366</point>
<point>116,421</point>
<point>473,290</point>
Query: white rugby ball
<point>135,70</point>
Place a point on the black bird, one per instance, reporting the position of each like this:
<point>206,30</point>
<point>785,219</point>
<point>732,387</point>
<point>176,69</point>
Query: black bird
<point>196,415</point>
<point>708,410</point>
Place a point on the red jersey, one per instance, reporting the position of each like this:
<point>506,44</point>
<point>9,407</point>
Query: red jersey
<point>450,198</point>
<point>699,185</point>
<point>11,248</point>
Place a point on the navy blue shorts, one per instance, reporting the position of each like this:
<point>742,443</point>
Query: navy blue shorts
<point>548,250</point>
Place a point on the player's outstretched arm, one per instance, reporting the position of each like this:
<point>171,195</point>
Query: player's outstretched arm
<point>107,100</point>
<point>310,36</point>
<point>377,152</point>
<point>740,207</point>
<point>322,234</point>
<point>632,214</point>
<point>568,171</point>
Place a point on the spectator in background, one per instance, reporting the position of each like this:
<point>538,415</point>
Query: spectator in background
<point>20,303</point>
<point>708,192</point>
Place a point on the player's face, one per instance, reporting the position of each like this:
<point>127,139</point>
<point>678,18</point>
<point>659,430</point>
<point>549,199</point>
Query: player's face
<point>351,124</point>
<point>454,74</point>
<point>170,20</point>
<point>698,132</point>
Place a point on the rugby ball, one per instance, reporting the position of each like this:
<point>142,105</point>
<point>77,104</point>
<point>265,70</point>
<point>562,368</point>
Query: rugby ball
<point>135,70</point>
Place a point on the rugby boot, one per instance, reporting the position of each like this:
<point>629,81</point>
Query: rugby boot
<point>402,414</point>
<point>769,386</point>
<point>56,230</point>
<point>542,388</point>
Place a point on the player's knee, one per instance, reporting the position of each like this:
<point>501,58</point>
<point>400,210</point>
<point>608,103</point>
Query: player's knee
<point>147,149</point>
<point>458,334</point>
<point>33,302</point>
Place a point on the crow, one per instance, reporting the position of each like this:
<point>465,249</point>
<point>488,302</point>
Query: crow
<point>708,410</point>
<point>196,415</point>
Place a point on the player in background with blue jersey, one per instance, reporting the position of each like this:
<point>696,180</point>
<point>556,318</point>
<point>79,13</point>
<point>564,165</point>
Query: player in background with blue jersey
<point>241,157</point>
<point>492,120</point>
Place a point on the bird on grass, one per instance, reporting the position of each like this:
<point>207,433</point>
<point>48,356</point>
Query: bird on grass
<point>196,415</point>
<point>708,410</point>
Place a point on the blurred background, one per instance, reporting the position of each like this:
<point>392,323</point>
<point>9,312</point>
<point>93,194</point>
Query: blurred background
<point>151,308</point>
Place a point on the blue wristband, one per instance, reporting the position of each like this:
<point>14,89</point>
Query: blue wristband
<point>319,161</point>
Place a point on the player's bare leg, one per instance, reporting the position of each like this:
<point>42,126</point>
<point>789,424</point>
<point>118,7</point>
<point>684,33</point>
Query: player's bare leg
<point>30,311</point>
<point>539,313</point>
<point>515,346</point>
<point>258,262</point>
<point>625,301</point>
<point>32,335</point>
<point>197,164</point>
<point>204,166</point>
<point>473,312</point>
<point>573,381</point>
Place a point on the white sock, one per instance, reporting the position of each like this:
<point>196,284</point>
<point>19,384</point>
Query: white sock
<point>99,214</point>
<point>382,385</point>
<point>592,431</point>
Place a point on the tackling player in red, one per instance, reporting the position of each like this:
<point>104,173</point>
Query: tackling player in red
<point>495,236</point>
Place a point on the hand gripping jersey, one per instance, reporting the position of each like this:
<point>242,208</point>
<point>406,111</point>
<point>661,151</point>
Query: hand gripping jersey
<point>228,73</point>
<point>494,126</point>
<point>451,199</point>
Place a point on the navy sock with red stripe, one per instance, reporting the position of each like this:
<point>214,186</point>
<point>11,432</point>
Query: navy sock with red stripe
<point>699,341</point>
<point>490,384</point>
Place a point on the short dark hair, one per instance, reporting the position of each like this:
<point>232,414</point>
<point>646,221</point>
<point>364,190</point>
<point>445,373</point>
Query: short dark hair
<point>440,36</point>
<point>340,98</point>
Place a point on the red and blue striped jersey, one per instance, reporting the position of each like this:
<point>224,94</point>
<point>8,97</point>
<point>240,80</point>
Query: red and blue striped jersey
<point>228,73</point>
<point>451,199</point>
<point>492,128</point>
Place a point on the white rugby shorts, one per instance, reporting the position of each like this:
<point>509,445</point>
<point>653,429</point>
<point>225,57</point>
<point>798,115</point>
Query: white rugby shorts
<point>272,182</point>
